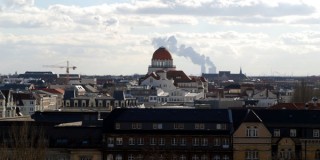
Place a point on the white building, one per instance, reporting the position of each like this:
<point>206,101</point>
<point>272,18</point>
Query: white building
<point>2,105</point>
<point>175,85</point>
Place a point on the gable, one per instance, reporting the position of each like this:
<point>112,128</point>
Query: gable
<point>263,132</point>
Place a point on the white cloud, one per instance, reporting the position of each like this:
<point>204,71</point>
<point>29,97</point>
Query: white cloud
<point>102,39</point>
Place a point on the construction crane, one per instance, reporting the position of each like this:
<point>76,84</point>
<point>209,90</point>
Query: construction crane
<point>66,67</point>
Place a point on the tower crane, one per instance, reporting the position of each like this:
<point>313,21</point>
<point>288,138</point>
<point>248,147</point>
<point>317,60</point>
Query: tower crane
<point>67,67</point>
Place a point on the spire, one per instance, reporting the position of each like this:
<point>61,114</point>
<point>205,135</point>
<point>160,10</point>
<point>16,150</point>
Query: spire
<point>240,70</point>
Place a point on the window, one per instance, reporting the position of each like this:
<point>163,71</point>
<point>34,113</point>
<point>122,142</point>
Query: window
<point>174,141</point>
<point>162,141</point>
<point>204,157</point>
<point>119,141</point>
<point>216,142</point>
<point>139,157</point>
<point>152,141</point>
<point>195,157</point>
<point>226,157</point>
<point>218,126</point>
<point>136,125</point>
<point>199,126</point>
<point>252,155</point>
<point>204,142</point>
<point>252,131</point>
<point>178,125</point>
<point>110,142</point>
<point>293,132</point>
<point>131,141</point>
<point>100,103</point>
<point>225,143</point>
<point>119,157</point>
<point>31,102</point>
<point>316,133</point>
<point>195,141</point>
<point>157,125</point>
<point>276,133</point>
<point>140,141</point>
<point>216,157</point>
<point>130,157</point>
<point>117,125</point>
<point>183,157</point>
<point>286,154</point>
<point>183,142</point>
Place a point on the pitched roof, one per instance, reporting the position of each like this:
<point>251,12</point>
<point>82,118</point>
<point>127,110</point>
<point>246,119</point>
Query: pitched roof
<point>2,95</point>
<point>179,76</point>
<point>52,91</point>
<point>252,117</point>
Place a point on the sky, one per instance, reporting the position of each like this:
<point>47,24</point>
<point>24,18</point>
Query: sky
<point>118,37</point>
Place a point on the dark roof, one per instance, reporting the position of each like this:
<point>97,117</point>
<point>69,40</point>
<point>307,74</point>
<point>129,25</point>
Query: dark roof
<point>170,115</point>
<point>224,75</point>
<point>179,76</point>
<point>2,95</point>
<point>302,118</point>
<point>69,94</point>
<point>13,86</point>
<point>118,95</point>
<point>58,117</point>
<point>252,117</point>
<point>238,115</point>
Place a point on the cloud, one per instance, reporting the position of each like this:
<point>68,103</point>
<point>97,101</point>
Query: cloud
<point>12,4</point>
<point>217,8</point>
<point>302,38</point>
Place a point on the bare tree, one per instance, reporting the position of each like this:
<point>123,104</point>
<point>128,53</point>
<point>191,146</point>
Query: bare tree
<point>24,142</point>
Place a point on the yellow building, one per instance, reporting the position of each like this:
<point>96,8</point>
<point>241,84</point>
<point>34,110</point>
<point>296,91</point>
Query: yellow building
<point>252,140</point>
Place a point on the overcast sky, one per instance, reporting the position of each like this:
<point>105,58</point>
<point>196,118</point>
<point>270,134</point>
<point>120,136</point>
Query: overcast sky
<point>103,37</point>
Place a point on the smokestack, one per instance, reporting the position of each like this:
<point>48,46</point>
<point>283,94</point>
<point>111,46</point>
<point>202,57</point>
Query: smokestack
<point>182,50</point>
<point>203,69</point>
<point>212,70</point>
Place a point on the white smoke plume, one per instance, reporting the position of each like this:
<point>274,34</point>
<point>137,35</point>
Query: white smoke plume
<point>172,45</point>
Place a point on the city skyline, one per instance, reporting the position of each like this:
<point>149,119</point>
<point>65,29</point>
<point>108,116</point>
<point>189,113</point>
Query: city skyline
<point>106,37</point>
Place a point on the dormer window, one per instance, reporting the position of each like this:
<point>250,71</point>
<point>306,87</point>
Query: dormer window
<point>136,125</point>
<point>178,126</point>
<point>252,131</point>
<point>276,133</point>
<point>293,132</point>
<point>316,133</point>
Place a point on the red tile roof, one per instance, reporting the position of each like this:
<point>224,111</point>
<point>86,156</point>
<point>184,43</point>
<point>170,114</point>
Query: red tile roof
<point>161,54</point>
<point>53,91</point>
<point>296,106</point>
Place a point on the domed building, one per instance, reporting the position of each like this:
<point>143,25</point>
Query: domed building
<point>173,86</point>
<point>161,60</point>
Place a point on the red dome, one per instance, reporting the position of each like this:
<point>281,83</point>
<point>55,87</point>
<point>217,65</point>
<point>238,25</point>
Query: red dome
<point>161,54</point>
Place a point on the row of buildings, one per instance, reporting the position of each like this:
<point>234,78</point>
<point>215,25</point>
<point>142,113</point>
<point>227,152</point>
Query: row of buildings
<point>162,86</point>
<point>182,134</point>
